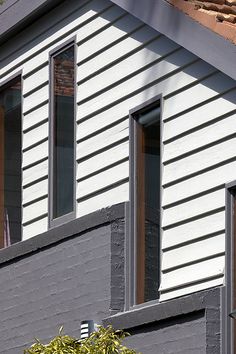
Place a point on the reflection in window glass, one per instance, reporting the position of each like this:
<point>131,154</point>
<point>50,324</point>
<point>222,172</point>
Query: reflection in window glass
<point>63,143</point>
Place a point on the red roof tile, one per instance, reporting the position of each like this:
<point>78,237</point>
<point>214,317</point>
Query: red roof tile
<point>217,15</point>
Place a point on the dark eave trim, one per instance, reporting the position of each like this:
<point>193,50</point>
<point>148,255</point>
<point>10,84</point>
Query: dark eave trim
<point>183,30</point>
<point>158,14</point>
<point>15,15</point>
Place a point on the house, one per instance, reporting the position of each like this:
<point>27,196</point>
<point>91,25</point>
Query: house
<point>118,171</point>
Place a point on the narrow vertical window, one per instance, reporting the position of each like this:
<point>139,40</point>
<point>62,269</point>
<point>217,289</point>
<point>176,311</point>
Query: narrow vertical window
<point>10,164</point>
<point>63,133</point>
<point>147,203</point>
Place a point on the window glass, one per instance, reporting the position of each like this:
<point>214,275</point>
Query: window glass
<point>10,164</point>
<point>63,133</point>
<point>148,205</point>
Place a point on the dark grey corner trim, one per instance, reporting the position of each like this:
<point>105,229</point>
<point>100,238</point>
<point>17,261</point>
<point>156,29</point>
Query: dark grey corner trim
<point>225,323</point>
<point>161,311</point>
<point>203,42</point>
<point>117,265</point>
<point>227,292</point>
<point>73,228</point>
<point>128,257</point>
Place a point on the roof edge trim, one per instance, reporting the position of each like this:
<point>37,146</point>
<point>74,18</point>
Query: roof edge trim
<point>177,26</point>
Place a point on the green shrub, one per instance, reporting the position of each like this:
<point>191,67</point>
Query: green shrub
<point>104,341</point>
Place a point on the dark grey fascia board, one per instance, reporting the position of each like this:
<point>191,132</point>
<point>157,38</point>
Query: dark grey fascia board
<point>183,30</point>
<point>73,228</point>
<point>17,15</point>
<point>158,14</point>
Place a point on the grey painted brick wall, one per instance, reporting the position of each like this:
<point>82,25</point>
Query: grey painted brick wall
<point>76,272</point>
<point>187,325</point>
<point>181,335</point>
<point>194,333</point>
<point>62,284</point>
<point>117,266</point>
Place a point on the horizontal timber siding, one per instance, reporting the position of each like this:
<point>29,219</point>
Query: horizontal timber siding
<point>121,63</point>
<point>198,159</point>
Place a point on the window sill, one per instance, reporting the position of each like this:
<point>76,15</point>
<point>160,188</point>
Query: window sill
<point>156,312</point>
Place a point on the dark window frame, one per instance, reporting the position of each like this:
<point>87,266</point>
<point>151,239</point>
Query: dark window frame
<point>131,239</point>
<point>17,76</point>
<point>229,324</point>
<point>53,222</point>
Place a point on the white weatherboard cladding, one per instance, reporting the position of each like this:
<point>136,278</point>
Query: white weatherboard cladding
<point>39,59</point>
<point>138,81</point>
<point>103,160</point>
<point>195,251</point>
<point>107,198</point>
<point>124,23</point>
<point>35,117</point>
<point>211,156</point>
<point>35,210</point>
<point>103,179</point>
<point>111,15</point>
<point>206,113</point>
<point>200,183</point>
<point>194,230</point>
<point>40,77</point>
<point>35,154</point>
<point>35,135</point>
<point>40,189</point>
<point>141,37</point>
<point>188,289</point>
<point>78,18</point>
<point>194,207</point>
<point>102,140</point>
<point>121,63</point>
<point>128,66</point>
<point>202,137</point>
<point>35,98</point>
<point>193,96</point>
<point>199,271</point>
<point>33,229</point>
<point>35,172</point>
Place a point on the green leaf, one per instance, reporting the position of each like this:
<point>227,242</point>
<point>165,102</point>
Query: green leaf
<point>104,341</point>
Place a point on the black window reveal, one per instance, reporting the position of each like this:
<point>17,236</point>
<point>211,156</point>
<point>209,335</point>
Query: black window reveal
<point>146,201</point>
<point>10,164</point>
<point>63,108</point>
